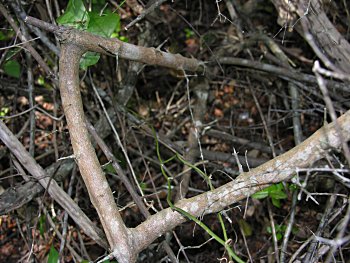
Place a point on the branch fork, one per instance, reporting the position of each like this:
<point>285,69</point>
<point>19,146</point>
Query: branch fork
<point>126,243</point>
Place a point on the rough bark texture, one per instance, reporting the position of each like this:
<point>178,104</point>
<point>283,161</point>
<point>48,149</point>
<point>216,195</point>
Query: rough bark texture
<point>99,191</point>
<point>326,36</point>
<point>127,243</point>
<point>150,56</point>
<point>277,170</point>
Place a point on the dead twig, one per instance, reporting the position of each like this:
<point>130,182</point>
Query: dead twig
<point>54,190</point>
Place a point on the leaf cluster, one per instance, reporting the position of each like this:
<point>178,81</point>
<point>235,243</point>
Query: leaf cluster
<point>102,22</point>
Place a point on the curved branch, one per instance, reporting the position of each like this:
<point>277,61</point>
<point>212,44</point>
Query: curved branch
<point>279,169</point>
<point>99,191</point>
<point>126,243</point>
<point>113,46</point>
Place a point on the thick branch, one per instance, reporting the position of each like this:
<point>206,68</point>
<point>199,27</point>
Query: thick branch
<point>88,41</point>
<point>99,191</point>
<point>279,169</point>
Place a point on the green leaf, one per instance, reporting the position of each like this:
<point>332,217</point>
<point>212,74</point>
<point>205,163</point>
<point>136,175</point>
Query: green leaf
<point>100,2</point>
<point>12,68</point>
<point>41,80</point>
<point>4,111</point>
<point>42,225</point>
<point>53,255</point>
<point>278,194</point>
<point>98,5</point>
<point>269,230</point>
<point>279,236</point>
<point>261,194</point>
<point>2,36</point>
<point>279,228</point>
<point>103,25</point>
<point>189,33</point>
<point>293,187</point>
<point>109,168</point>
<point>75,14</point>
<point>277,191</point>
<point>124,39</point>
<point>247,229</point>
<point>143,185</point>
<point>279,233</point>
<point>279,186</point>
<point>6,34</point>
<point>276,202</point>
<point>89,59</point>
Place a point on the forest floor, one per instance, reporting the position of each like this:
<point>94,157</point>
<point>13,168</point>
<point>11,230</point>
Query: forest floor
<point>246,109</point>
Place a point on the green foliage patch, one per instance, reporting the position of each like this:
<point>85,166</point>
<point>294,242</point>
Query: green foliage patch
<point>12,68</point>
<point>104,24</point>
<point>276,192</point>
<point>280,230</point>
<point>53,255</point>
